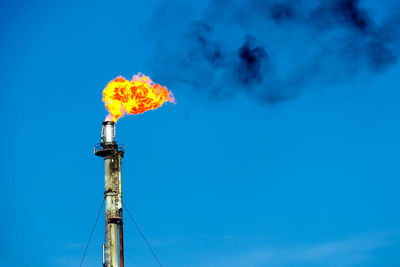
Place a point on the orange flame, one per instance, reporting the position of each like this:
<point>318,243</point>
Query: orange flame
<point>134,97</point>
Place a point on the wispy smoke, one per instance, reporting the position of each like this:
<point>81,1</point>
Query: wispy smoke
<point>272,50</point>
<point>251,60</point>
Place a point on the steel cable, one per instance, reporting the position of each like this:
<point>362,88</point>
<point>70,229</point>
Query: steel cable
<point>141,233</point>
<point>91,234</point>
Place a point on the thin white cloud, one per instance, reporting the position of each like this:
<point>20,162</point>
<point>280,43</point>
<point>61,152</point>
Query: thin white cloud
<point>349,252</point>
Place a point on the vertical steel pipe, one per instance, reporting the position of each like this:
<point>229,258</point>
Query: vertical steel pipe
<point>112,153</point>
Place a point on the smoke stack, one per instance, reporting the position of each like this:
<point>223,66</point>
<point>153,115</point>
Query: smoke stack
<point>113,247</point>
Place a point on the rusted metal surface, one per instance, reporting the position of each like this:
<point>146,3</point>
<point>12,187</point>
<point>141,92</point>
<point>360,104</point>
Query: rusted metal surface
<point>121,242</point>
<point>112,154</point>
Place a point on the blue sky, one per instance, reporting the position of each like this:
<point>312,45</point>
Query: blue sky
<point>287,159</point>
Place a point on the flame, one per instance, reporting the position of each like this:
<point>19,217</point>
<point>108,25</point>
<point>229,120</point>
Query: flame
<point>134,97</point>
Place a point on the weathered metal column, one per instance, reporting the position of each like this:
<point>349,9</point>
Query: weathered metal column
<point>113,251</point>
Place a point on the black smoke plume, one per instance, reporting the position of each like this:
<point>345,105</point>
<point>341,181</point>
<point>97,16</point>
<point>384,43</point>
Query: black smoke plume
<point>272,50</point>
<point>251,60</point>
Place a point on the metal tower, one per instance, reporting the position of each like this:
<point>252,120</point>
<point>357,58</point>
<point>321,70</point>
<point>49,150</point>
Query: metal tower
<point>113,248</point>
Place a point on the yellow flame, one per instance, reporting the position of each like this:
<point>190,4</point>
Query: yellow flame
<point>134,97</point>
